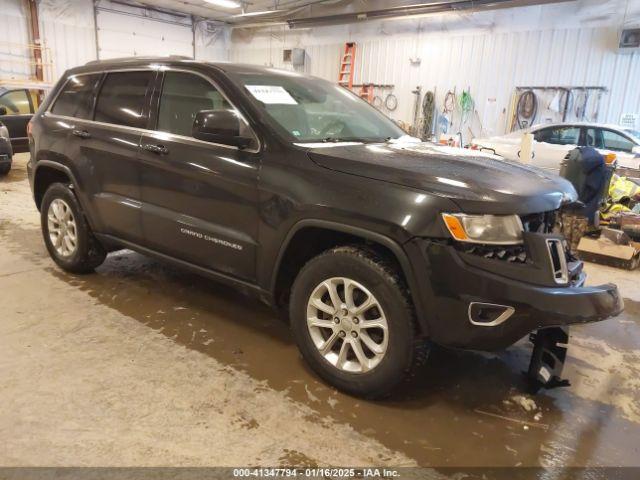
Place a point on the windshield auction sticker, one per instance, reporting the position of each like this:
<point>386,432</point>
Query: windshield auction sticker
<point>271,94</point>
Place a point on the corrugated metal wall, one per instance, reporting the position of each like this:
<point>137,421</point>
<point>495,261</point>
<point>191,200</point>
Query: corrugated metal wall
<point>13,34</point>
<point>488,62</point>
<point>490,65</point>
<point>67,29</point>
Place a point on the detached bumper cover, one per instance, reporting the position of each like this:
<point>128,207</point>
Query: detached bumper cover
<point>456,284</point>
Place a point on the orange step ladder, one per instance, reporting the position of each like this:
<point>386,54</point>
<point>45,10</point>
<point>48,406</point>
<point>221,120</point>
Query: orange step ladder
<point>345,77</point>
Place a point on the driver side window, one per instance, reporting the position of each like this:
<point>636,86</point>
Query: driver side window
<point>183,96</point>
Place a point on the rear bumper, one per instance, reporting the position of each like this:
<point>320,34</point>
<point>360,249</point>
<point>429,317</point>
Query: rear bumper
<point>459,291</point>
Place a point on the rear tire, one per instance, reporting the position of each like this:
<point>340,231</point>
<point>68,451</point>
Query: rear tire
<point>66,233</point>
<point>4,169</point>
<point>385,330</point>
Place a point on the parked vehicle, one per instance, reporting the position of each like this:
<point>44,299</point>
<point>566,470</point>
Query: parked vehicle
<point>297,190</point>
<point>17,106</point>
<point>6,152</point>
<point>551,143</point>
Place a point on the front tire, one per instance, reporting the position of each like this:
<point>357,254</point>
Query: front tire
<point>66,233</point>
<point>4,169</point>
<point>353,320</point>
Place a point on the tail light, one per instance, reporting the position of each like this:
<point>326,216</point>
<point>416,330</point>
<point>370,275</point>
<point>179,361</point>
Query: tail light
<point>473,146</point>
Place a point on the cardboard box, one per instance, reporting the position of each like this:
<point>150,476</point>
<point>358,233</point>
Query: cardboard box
<point>607,253</point>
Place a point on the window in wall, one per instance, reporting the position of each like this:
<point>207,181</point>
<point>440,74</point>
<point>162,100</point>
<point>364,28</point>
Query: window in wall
<point>16,102</point>
<point>76,98</point>
<point>121,98</point>
<point>183,96</point>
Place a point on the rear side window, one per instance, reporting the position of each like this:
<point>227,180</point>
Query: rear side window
<point>121,99</point>
<point>76,98</point>
<point>183,96</point>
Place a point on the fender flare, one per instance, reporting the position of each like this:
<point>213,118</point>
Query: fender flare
<point>67,171</point>
<point>57,166</point>
<point>395,248</point>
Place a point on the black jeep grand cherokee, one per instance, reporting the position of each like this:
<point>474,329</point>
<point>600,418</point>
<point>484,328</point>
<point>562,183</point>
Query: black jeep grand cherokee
<point>295,189</point>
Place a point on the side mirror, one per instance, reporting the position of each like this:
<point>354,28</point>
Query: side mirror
<point>3,110</point>
<point>635,150</point>
<point>219,126</point>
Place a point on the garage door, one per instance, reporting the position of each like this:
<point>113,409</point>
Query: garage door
<point>125,35</point>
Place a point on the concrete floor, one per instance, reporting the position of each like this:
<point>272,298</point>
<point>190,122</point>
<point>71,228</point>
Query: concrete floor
<point>144,364</point>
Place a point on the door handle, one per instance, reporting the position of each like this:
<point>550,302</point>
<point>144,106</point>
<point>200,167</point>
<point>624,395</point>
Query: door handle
<point>159,149</point>
<point>81,133</point>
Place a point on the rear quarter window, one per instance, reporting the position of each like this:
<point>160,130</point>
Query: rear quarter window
<point>76,97</point>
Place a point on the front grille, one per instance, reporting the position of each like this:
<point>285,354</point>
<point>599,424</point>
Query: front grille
<point>507,253</point>
<point>544,222</point>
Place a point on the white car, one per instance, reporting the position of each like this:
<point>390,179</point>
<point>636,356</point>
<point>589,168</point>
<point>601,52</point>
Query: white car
<point>551,142</point>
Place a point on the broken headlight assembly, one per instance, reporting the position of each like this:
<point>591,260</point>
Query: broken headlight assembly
<point>486,229</point>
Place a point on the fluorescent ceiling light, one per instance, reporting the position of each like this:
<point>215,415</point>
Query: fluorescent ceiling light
<point>261,12</point>
<point>224,3</point>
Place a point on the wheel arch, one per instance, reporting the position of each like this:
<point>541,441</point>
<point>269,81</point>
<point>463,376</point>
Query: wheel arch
<point>47,172</point>
<point>334,234</point>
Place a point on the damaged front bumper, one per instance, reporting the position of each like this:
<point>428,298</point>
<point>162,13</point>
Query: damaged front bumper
<point>484,302</point>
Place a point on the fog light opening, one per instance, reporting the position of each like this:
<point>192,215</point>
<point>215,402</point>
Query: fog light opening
<point>489,314</point>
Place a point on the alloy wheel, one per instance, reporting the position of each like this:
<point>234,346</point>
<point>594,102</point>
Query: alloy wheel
<point>63,233</point>
<point>347,325</point>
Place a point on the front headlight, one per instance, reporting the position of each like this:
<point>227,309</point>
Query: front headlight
<point>4,133</point>
<point>490,229</point>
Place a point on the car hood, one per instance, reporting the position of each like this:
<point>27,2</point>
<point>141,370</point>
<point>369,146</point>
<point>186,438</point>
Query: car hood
<point>477,182</point>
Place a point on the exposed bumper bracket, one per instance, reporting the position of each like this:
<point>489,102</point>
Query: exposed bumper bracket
<point>547,359</point>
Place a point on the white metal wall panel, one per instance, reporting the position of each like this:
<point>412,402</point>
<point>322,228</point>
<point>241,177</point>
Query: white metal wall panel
<point>212,43</point>
<point>491,65</point>
<point>67,29</point>
<point>123,35</point>
<point>13,35</point>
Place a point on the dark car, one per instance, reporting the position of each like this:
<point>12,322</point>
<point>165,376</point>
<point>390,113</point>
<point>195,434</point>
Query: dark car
<point>17,106</point>
<point>6,152</point>
<point>296,190</point>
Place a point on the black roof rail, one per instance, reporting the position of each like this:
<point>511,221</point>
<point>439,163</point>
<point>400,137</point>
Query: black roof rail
<point>138,59</point>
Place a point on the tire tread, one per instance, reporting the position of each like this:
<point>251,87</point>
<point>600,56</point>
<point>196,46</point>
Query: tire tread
<point>93,254</point>
<point>389,272</point>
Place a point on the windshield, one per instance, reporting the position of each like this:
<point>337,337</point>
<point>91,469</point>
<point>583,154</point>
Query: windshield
<point>306,109</point>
